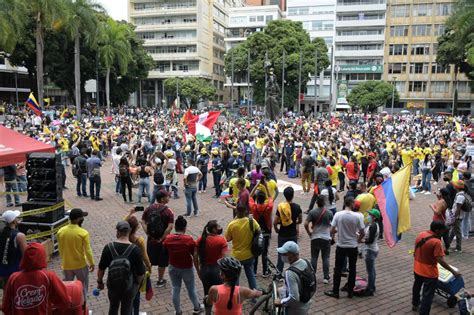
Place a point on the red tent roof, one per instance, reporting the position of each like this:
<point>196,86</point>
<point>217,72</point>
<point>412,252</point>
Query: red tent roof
<point>14,147</point>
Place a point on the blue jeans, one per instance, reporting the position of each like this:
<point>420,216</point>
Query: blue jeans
<point>191,200</point>
<point>94,186</point>
<point>156,189</point>
<point>426,180</point>
<point>466,224</point>
<point>370,256</point>
<point>429,286</point>
<point>143,185</point>
<point>248,267</point>
<point>217,182</point>
<point>203,182</point>
<point>178,275</point>
<point>282,240</point>
<point>118,187</point>
<point>11,186</point>
<point>22,183</point>
<point>416,166</point>
<point>81,184</point>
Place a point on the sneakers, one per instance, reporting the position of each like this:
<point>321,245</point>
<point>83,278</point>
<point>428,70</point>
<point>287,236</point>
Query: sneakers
<point>196,214</point>
<point>200,310</point>
<point>266,274</point>
<point>326,280</point>
<point>161,283</point>
<point>332,294</point>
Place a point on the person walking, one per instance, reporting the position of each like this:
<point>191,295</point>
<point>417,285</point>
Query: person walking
<point>427,167</point>
<point>461,202</point>
<point>202,163</point>
<point>144,173</point>
<point>182,255</point>
<point>216,171</point>
<point>125,179</point>
<point>93,172</point>
<point>330,194</point>
<point>319,233</point>
<point>371,249</point>
<point>286,223</point>
<point>158,179</point>
<point>307,168</point>
<point>75,250</point>
<point>239,232</point>
<point>428,254</point>
<point>211,247</point>
<point>80,167</point>
<point>192,175</point>
<point>349,226</point>
<point>123,283</point>
<point>157,222</point>
<point>228,298</point>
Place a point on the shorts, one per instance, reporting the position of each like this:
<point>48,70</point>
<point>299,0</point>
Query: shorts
<point>157,253</point>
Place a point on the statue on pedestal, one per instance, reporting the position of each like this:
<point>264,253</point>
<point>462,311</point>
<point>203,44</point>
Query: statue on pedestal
<point>272,102</point>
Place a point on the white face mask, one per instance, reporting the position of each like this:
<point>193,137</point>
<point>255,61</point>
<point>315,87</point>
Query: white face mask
<point>285,259</point>
<point>369,219</point>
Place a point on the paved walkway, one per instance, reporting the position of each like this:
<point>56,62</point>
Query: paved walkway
<point>394,266</point>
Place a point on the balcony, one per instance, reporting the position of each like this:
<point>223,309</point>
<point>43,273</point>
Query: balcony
<point>360,53</point>
<point>174,56</point>
<point>157,74</point>
<point>361,38</point>
<point>170,41</point>
<point>360,23</point>
<point>361,7</point>
<point>165,27</point>
<point>163,12</point>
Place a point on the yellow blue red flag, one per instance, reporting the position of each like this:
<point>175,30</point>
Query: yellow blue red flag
<point>33,105</point>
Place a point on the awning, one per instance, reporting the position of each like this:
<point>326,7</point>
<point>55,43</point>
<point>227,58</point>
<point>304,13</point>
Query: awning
<point>14,147</point>
<point>342,106</point>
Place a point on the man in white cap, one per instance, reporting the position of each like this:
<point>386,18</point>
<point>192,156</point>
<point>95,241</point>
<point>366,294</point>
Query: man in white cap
<point>300,281</point>
<point>12,245</point>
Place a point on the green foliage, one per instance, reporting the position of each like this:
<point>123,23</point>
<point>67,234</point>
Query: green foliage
<point>278,36</point>
<point>370,95</point>
<point>191,89</point>
<point>12,23</point>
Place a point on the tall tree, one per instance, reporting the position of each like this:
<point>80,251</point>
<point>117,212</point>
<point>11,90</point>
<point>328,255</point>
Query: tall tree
<point>370,95</point>
<point>192,90</point>
<point>114,49</point>
<point>82,22</point>
<point>12,23</point>
<point>278,36</point>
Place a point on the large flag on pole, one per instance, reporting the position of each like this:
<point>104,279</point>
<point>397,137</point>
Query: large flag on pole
<point>393,200</point>
<point>33,105</point>
<point>201,125</point>
<point>187,117</point>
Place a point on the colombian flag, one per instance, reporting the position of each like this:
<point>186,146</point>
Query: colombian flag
<point>393,200</point>
<point>33,105</point>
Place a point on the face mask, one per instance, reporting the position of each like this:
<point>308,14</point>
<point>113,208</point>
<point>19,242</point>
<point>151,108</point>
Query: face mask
<point>369,218</point>
<point>285,259</point>
<point>219,231</point>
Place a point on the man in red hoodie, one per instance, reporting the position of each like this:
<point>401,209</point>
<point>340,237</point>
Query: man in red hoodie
<point>34,290</point>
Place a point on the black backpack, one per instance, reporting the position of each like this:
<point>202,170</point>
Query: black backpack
<point>123,171</point>
<point>467,205</point>
<point>159,178</point>
<point>155,227</point>
<point>307,280</point>
<point>120,275</point>
<point>8,246</point>
<point>257,240</point>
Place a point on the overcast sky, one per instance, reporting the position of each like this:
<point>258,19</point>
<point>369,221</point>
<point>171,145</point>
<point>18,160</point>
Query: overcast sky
<point>117,9</point>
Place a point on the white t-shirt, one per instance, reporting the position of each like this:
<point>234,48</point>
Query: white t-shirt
<point>171,165</point>
<point>459,200</point>
<point>348,224</point>
<point>325,193</point>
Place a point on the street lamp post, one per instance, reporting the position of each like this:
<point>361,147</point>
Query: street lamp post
<point>232,81</point>
<point>299,81</point>
<point>176,102</point>
<point>16,88</point>
<point>248,83</point>
<point>315,82</point>
<point>393,93</point>
<point>283,81</point>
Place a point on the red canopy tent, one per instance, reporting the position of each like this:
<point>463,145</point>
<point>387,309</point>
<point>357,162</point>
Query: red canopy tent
<point>14,147</point>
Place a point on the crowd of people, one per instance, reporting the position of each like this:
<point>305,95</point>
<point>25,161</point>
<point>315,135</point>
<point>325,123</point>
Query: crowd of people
<point>340,157</point>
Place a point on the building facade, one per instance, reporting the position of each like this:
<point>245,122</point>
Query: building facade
<point>185,38</point>
<point>318,18</point>
<point>14,83</point>
<point>410,57</point>
<point>359,45</point>
<point>280,3</point>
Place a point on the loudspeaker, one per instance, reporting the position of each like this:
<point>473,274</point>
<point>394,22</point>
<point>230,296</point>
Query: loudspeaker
<point>44,177</point>
<point>46,217</point>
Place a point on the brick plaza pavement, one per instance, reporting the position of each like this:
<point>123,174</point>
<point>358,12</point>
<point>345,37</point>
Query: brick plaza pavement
<point>394,266</point>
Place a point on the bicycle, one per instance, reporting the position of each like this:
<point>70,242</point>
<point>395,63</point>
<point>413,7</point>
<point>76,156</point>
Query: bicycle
<point>269,295</point>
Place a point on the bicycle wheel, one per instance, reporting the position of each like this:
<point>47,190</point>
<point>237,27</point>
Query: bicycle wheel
<point>265,299</point>
<point>276,310</point>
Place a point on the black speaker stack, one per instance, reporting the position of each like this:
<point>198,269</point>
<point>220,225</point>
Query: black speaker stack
<point>44,187</point>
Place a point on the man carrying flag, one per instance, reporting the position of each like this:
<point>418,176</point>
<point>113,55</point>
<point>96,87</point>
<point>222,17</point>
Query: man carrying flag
<point>33,105</point>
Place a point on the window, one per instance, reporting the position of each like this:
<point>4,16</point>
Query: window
<point>464,87</point>
<point>419,67</point>
<point>420,49</point>
<point>400,11</point>
<point>321,25</point>
<point>439,29</point>
<point>422,10</point>
<point>437,68</point>
<point>421,30</point>
<point>439,87</point>
<point>238,19</point>
<point>444,9</point>
<point>260,18</point>
<point>269,18</point>
<point>398,49</point>
<point>416,86</point>
<point>163,66</point>
<point>399,30</point>
<point>362,32</point>
<point>253,19</point>
<point>400,86</point>
<point>2,60</point>
<point>394,68</point>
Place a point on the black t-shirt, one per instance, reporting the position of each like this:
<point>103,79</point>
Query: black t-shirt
<point>135,258</point>
<point>290,230</point>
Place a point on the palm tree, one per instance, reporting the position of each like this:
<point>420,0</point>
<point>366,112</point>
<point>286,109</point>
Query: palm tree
<point>12,23</point>
<point>114,49</point>
<point>82,21</point>
<point>47,14</point>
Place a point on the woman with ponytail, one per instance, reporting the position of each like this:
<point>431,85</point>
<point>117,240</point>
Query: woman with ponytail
<point>229,297</point>
<point>211,247</point>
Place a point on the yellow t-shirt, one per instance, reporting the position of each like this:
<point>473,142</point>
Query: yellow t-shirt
<point>272,188</point>
<point>238,231</point>
<point>407,156</point>
<point>334,177</point>
<point>74,247</point>
<point>419,153</point>
<point>64,144</point>
<point>427,151</point>
<point>367,202</point>
<point>358,155</point>
<point>259,143</point>
<point>235,190</point>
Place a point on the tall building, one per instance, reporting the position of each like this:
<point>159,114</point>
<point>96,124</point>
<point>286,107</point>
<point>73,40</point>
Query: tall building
<point>359,45</point>
<point>318,18</point>
<point>281,3</point>
<point>185,38</point>
<point>244,21</point>
<point>410,57</point>
<point>13,81</point>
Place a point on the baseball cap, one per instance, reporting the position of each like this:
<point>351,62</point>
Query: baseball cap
<point>289,247</point>
<point>458,184</point>
<point>10,215</point>
<point>162,193</point>
<point>357,204</point>
<point>123,226</point>
<point>77,213</point>
<point>375,213</point>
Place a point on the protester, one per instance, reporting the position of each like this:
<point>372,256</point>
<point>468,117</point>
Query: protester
<point>371,249</point>
<point>11,186</point>
<point>80,167</point>
<point>144,172</point>
<point>192,175</point>
<point>75,250</point>
<point>125,179</point>
<point>93,173</point>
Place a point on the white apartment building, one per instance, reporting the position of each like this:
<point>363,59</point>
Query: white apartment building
<point>185,38</point>
<point>359,45</point>
<point>318,18</point>
<point>13,81</point>
<point>243,21</point>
